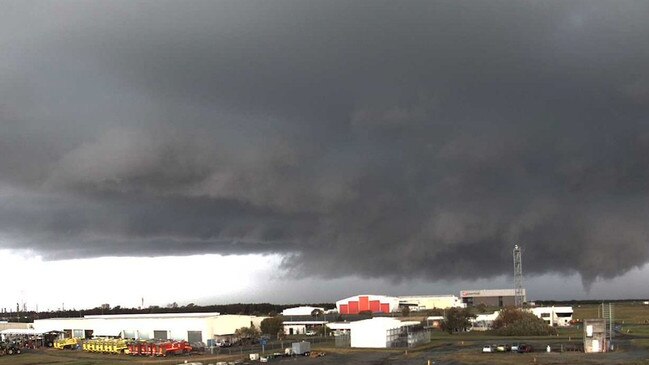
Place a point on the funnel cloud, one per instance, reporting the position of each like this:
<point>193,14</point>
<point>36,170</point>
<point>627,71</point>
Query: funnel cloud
<point>367,138</point>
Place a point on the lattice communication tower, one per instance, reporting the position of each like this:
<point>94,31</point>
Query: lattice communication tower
<point>519,296</point>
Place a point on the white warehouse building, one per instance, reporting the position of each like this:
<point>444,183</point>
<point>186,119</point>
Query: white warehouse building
<point>423,302</point>
<point>374,333</point>
<point>301,311</point>
<point>192,327</point>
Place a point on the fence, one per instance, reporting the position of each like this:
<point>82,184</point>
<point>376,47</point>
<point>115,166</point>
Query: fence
<point>407,337</point>
<point>269,347</point>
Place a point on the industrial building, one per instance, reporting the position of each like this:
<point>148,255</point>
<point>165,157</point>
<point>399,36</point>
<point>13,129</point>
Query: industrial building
<point>554,316</point>
<point>4,325</point>
<point>301,311</point>
<point>423,302</point>
<point>490,297</point>
<point>389,304</point>
<point>302,327</point>
<point>372,303</point>
<point>483,322</point>
<point>192,327</point>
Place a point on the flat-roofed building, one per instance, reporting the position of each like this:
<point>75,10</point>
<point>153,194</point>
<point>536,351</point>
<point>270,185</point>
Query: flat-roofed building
<point>192,327</point>
<point>490,297</point>
<point>554,316</point>
<point>424,302</point>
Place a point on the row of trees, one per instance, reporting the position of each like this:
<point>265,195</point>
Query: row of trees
<point>266,309</point>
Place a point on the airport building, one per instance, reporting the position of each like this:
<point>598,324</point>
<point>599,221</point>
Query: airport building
<point>423,302</point>
<point>372,303</point>
<point>192,327</point>
<point>490,297</point>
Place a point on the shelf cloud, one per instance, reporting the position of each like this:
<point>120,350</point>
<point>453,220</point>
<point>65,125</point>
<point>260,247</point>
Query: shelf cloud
<point>369,138</point>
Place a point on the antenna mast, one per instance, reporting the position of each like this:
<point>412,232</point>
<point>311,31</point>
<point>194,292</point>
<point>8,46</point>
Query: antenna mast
<point>519,297</point>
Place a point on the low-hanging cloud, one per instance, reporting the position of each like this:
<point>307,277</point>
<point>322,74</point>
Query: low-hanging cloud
<point>412,140</point>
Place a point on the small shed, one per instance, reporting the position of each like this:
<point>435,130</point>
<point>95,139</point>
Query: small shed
<point>595,335</point>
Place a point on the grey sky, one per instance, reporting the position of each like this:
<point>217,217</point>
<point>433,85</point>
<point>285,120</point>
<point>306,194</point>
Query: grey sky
<point>366,139</point>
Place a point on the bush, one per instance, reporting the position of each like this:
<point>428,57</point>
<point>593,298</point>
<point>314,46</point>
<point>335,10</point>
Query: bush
<point>516,322</point>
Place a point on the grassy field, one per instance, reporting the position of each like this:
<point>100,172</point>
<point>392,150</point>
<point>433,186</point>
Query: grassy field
<point>624,313</point>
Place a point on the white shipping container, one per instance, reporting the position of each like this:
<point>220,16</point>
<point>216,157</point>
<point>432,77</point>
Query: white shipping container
<point>301,348</point>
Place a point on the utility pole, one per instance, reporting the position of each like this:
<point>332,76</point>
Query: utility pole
<point>519,297</point>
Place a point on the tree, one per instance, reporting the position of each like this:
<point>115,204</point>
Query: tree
<point>405,311</point>
<point>457,320</point>
<point>272,326</point>
<point>247,334</point>
<point>517,322</point>
<point>317,312</point>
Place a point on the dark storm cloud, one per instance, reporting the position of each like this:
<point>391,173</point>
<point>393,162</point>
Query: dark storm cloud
<point>381,139</point>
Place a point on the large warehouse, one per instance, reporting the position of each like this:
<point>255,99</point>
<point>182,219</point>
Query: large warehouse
<point>490,297</point>
<point>423,302</point>
<point>192,327</point>
<point>373,303</point>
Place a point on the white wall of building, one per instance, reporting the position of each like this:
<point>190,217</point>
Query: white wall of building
<point>143,326</point>
<point>483,322</point>
<point>423,302</point>
<point>300,311</point>
<point>554,316</point>
<point>372,333</point>
<point>300,327</point>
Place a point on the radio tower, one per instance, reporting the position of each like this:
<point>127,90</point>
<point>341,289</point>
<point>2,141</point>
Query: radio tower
<point>519,297</point>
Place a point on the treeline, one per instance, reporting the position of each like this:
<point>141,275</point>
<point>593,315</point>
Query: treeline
<point>590,301</point>
<point>260,309</point>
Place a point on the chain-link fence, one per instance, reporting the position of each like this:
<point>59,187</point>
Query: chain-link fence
<point>407,337</point>
<point>277,346</point>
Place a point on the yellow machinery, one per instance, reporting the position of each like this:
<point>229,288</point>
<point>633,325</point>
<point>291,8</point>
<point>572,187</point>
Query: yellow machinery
<point>67,343</point>
<point>107,346</point>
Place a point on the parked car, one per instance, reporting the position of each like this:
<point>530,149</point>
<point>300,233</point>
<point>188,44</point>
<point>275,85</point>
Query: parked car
<point>503,348</point>
<point>488,348</point>
<point>514,347</point>
<point>223,343</point>
<point>310,333</point>
<point>525,348</point>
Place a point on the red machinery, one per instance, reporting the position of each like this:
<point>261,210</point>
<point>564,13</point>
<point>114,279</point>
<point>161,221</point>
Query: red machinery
<point>166,348</point>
